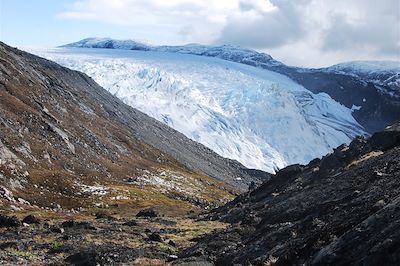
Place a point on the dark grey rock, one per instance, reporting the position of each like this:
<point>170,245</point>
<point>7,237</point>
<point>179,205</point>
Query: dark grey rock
<point>105,216</point>
<point>130,223</point>
<point>31,219</point>
<point>78,225</point>
<point>155,237</point>
<point>6,221</point>
<point>102,255</point>
<point>149,213</point>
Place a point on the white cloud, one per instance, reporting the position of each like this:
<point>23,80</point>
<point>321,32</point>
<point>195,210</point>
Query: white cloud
<point>188,20</point>
<point>258,28</point>
<point>301,32</point>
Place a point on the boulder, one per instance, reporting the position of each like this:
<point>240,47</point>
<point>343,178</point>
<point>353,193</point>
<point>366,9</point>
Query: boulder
<point>130,223</point>
<point>30,219</point>
<point>6,221</point>
<point>155,237</point>
<point>75,224</point>
<point>149,213</point>
<point>104,216</point>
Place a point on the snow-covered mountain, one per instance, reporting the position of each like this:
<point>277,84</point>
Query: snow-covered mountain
<point>228,52</point>
<point>367,67</point>
<point>109,44</point>
<point>380,73</point>
<point>260,118</point>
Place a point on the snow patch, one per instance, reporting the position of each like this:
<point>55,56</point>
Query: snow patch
<point>94,190</point>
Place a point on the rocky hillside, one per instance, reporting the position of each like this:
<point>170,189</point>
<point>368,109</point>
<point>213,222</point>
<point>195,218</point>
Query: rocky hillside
<point>341,210</point>
<point>67,143</point>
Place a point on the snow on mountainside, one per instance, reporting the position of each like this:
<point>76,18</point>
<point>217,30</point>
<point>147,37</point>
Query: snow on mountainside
<point>367,67</point>
<point>258,117</point>
<point>108,43</point>
<point>380,73</point>
<point>228,52</point>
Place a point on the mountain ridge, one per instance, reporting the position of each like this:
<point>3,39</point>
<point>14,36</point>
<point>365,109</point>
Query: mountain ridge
<point>201,49</point>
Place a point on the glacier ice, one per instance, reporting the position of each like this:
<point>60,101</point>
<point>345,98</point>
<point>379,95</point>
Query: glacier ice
<point>260,118</point>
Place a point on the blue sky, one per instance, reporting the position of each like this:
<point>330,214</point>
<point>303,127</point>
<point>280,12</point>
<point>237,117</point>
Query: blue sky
<point>302,32</point>
<point>37,23</point>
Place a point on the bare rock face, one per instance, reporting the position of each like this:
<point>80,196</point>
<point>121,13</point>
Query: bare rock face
<point>341,210</point>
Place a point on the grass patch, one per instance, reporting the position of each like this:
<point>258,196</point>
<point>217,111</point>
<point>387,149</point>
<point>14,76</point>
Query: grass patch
<point>23,254</point>
<point>57,245</point>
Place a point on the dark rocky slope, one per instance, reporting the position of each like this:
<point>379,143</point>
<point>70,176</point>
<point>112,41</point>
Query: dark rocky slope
<point>341,210</point>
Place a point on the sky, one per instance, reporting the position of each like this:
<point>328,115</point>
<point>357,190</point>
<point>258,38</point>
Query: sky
<point>311,33</point>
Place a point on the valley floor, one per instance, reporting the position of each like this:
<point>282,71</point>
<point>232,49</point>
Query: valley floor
<point>57,238</point>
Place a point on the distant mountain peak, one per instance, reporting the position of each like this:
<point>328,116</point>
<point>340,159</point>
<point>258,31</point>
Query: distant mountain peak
<point>225,51</point>
<point>367,66</point>
<point>109,43</point>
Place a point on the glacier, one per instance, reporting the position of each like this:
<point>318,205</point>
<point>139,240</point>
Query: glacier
<point>258,117</point>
